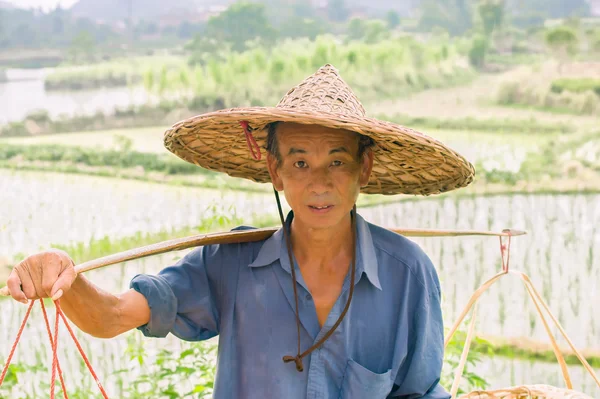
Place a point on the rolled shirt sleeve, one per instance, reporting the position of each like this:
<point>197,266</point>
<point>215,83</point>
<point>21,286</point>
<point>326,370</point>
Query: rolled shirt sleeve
<point>182,297</point>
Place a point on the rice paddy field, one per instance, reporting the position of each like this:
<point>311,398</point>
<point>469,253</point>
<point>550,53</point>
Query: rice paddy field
<point>91,216</point>
<point>559,253</point>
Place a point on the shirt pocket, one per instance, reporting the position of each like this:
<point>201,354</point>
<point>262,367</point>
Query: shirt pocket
<point>361,383</point>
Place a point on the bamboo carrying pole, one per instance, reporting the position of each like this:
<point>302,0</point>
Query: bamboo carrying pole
<point>246,236</point>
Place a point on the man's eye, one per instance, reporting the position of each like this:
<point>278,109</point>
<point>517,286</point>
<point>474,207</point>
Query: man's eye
<point>300,164</point>
<point>336,163</point>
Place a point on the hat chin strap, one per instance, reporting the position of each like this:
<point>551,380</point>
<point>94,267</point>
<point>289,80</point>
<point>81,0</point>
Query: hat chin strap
<point>299,356</point>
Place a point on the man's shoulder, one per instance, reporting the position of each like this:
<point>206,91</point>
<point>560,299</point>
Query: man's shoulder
<point>227,248</point>
<point>396,245</point>
<point>398,251</point>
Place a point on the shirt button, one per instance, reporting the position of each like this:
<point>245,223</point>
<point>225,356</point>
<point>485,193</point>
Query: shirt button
<point>308,297</point>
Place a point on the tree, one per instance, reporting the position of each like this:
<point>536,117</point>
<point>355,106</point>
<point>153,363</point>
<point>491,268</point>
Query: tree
<point>239,23</point>
<point>393,19</point>
<point>302,27</point>
<point>452,15</point>
<point>357,28</point>
<point>491,13</point>
<point>376,31</point>
<point>337,10</point>
<point>562,41</point>
<point>478,50</point>
<point>549,9</point>
<point>82,47</point>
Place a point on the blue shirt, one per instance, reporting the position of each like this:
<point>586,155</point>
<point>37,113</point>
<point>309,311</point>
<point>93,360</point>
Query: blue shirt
<point>390,343</point>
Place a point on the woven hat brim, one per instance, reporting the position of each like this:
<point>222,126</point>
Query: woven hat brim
<point>405,161</point>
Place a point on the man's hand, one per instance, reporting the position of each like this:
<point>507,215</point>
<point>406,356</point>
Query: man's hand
<point>47,274</point>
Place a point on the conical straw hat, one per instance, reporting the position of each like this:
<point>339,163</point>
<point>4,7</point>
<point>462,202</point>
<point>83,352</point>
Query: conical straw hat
<point>405,161</point>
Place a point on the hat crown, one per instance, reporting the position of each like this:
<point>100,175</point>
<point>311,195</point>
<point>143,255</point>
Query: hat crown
<point>323,91</point>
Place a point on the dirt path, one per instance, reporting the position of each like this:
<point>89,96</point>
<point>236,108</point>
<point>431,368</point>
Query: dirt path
<point>474,100</point>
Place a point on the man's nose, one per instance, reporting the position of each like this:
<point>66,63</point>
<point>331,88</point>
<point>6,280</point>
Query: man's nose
<point>321,180</point>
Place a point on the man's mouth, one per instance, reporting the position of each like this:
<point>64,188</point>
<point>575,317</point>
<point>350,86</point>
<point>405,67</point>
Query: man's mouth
<point>320,207</point>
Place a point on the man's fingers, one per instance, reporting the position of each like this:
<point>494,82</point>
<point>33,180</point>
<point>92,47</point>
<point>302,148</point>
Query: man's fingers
<point>52,269</point>
<point>14,287</point>
<point>63,283</point>
<point>27,284</point>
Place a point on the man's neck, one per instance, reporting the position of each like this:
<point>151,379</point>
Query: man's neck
<point>322,250</point>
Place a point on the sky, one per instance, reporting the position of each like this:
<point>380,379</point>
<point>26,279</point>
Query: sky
<point>44,4</point>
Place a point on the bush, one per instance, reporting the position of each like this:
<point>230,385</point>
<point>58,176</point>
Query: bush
<point>478,51</point>
<point>508,93</point>
<point>576,85</point>
<point>14,129</point>
<point>122,158</point>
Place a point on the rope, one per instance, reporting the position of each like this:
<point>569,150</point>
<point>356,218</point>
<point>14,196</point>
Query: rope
<point>14,346</point>
<point>54,344</point>
<point>537,300</point>
<point>62,382</point>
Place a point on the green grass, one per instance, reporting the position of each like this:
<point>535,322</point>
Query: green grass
<point>146,139</point>
<point>514,59</point>
<point>576,85</point>
<point>488,125</point>
<point>533,352</point>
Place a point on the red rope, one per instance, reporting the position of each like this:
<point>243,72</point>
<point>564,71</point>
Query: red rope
<point>14,346</point>
<point>85,359</point>
<point>505,252</point>
<point>251,141</point>
<point>60,375</point>
<point>54,344</point>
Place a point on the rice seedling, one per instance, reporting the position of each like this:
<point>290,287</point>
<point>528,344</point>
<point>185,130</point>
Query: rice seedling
<point>542,254</point>
<point>41,209</point>
<point>84,212</point>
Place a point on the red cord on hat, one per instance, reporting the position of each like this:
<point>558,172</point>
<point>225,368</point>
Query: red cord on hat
<point>250,141</point>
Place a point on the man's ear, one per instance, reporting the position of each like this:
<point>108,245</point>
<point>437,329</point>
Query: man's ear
<point>366,167</point>
<point>274,172</point>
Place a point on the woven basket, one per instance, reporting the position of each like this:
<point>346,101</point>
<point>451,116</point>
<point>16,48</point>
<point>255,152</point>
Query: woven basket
<point>527,392</point>
<point>524,391</point>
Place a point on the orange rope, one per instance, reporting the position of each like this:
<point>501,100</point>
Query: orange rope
<point>54,344</point>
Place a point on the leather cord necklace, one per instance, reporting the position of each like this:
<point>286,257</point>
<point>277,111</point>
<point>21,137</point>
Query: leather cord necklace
<point>299,356</point>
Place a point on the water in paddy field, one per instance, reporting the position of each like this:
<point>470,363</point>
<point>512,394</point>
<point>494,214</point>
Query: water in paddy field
<point>25,93</point>
<point>559,254</point>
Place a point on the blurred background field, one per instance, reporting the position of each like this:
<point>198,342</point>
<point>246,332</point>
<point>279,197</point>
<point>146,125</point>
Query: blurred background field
<point>87,89</point>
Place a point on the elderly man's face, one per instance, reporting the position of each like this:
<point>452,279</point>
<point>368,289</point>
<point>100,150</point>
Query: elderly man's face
<point>320,172</point>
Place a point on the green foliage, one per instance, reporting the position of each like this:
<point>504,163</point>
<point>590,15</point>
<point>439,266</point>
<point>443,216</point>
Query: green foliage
<point>523,126</point>
<point>298,27</point>
<point>367,30</point>
<point>240,23</point>
<point>471,380</point>
<point>382,69</point>
<point>534,12</point>
<point>189,374</point>
<point>393,19</point>
<point>82,47</point>
<point>119,158</point>
<point>91,78</point>
<point>491,13</point>
<point>562,40</point>
<point>337,10</point>
<point>560,100</point>
<point>478,51</point>
<point>576,85</point>
<point>455,16</point>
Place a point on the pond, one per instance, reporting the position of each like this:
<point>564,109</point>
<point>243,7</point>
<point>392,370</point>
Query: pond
<point>25,92</point>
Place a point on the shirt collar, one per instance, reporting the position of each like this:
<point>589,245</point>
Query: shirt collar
<point>275,248</point>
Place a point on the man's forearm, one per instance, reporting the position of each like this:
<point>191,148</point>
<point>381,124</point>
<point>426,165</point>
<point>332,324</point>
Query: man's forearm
<point>92,309</point>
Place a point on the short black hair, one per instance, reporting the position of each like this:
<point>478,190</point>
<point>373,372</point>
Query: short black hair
<point>364,142</point>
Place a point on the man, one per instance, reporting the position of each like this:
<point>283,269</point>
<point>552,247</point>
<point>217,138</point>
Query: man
<point>330,306</point>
